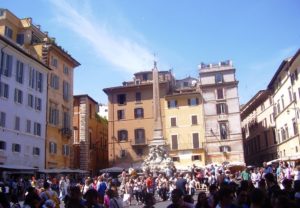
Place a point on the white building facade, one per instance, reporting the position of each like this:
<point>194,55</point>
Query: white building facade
<point>221,113</point>
<point>23,98</point>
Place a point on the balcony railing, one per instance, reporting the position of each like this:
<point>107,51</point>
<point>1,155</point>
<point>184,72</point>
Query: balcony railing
<point>139,142</point>
<point>67,132</point>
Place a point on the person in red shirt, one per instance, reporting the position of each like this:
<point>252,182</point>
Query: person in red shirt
<point>149,184</point>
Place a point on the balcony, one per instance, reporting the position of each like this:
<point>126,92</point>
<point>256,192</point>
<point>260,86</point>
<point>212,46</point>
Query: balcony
<point>222,117</point>
<point>138,142</point>
<point>66,132</point>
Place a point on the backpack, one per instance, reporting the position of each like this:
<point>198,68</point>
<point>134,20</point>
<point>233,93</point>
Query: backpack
<point>54,198</point>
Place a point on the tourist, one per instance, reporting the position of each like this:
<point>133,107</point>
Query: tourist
<point>91,197</point>
<point>48,194</point>
<point>181,184</point>
<point>115,201</point>
<point>75,199</point>
<point>202,201</point>
<point>149,201</point>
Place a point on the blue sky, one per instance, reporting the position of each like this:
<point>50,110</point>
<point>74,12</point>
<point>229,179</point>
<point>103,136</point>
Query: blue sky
<point>114,39</point>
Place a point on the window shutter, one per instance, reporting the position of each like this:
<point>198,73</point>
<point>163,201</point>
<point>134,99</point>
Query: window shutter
<point>218,109</point>
<point>9,65</point>
<point>168,104</point>
<point>176,103</point>
<point>197,101</point>
<point>189,101</point>
<point>226,108</point>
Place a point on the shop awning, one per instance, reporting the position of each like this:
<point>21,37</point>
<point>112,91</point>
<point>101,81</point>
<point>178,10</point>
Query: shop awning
<point>17,167</point>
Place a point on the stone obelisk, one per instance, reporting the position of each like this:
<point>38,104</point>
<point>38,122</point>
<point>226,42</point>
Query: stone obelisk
<point>157,125</point>
<point>157,159</point>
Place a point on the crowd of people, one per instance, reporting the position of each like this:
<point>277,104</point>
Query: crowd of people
<point>209,187</point>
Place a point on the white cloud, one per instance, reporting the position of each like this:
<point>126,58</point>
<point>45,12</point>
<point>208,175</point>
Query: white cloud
<point>121,52</point>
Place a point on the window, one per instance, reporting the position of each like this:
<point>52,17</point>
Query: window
<point>6,68</point>
<point>36,151</point>
<point>28,126</point>
<point>274,136</point>
<point>175,159</point>
<point>266,138</point>
<point>290,94</point>
<point>20,72</point>
<point>145,76</point>
<point>295,127</point>
<point>196,141</point>
<point>172,103</point>
<point>66,120</point>
<point>66,89</point>
<point>185,84</point>
<point>264,123</point>
<point>65,150</point>
<point>173,122</point>
<point>54,81</point>
<point>220,94</point>
<point>174,142</point>
<point>4,90</point>
<point>2,145</point>
<point>278,107</point>
<point>52,148</point>
<point>138,97</point>
<point>139,135</point>
<point>121,114</point>
<point>223,130</point>
<point>20,39</point>
<point>66,70</point>
<point>283,135</point>
<point>30,100</point>
<point>278,137</point>
<point>221,108</point>
<point>53,115</point>
<point>39,81</point>
<point>270,100</point>
<point>17,123</point>
<point>54,61</point>
<point>2,119</point>
<point>196,157</point>
<point>16,147</point>
<point>271,118</point>
<point>219,78</point>
<point>18,96</point>
<point>139,113</point>
<point>286,131</point>
<point>225,149</point>
<point>262,107</point>
<point>37,129</point>
<point>32,77</point>
<point>193,101</point>
<point>282,101</point>
<point>194,120</point>
<point>122,135</point>
<point>121,99</point>
<point>8,32</point>
<point>123,153</point>
<point>38,103</point>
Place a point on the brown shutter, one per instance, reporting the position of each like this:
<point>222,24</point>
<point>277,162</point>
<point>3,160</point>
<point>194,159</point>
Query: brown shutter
<point>196,140</point>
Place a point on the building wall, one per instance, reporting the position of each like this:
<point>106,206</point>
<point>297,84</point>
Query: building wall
<point>258,127</point>
<point>184,130</point>
<point>9,134</point>
<point>42,47</point>
<point>90,146</point>
<point>128,153</point>
<point>287,108</point>
<point>218,149</point>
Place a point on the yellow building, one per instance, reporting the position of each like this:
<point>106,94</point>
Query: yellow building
<point>184,124</point>
<point>285,86</point>
<point>130,117</point>
<point>258,128</point>
<point>60,83</point>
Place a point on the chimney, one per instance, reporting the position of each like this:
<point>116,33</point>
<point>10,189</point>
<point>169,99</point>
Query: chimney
<point>38,26</point>
<point>46,33</point>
